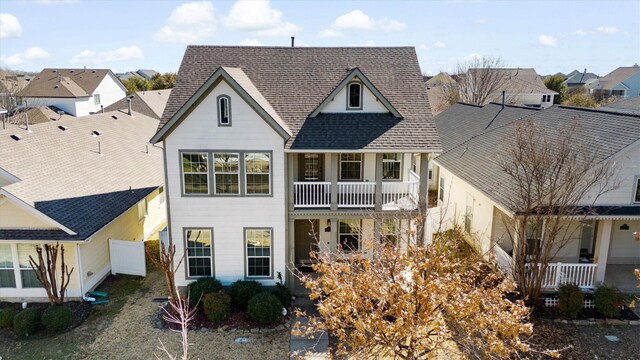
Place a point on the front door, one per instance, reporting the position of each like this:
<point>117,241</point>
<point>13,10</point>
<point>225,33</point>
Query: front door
<point>306,240</point>
<point>311,167</point>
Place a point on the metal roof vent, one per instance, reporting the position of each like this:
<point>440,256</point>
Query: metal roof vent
<point>93,71</point>
<point>62,127</point>
<point>16,137</point>
<point>55,70</point>
<point>71,71</point>
<point>96,133</point>
<point>55,86</point>
<point>114,117</point>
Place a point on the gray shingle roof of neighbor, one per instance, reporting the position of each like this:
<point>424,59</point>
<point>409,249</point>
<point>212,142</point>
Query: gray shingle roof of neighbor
<point>477,159</point>
<point>151,103</point>
<point>618,75</point>
<point>629,105</point>
<point>295,80</point>
<point>65,177</point>
<point>65,83</point>
<point>519,81</point>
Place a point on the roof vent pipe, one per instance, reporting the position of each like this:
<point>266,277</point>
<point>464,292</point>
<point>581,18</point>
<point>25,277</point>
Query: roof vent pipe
<point>503,94</point>
<point>293,41</point>
<point>102,109</point>
<point>129,107</point>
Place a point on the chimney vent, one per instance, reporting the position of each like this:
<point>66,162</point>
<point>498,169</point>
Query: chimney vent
<point>293,41</point>
<point>129,106</point>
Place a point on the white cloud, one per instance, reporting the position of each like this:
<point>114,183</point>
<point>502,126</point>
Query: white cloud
<point>481,21</point>
<point>9,26</point>
<point>25,58</point>
<point>358,20</point>
<point>547,40</point>
<point>440,44</point>
<point>121,54</point>
<point>423,47</point>
<point>580,32</point>
<point>250,42</point>
<point>259,18</point>
<point>188,23</point>
<point>609,30</point>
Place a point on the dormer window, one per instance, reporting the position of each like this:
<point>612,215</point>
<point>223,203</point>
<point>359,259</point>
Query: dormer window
<point>354,96</point>
<point>224,110</point>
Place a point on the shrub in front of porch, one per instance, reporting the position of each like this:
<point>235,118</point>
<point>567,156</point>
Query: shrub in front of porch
<point>608,301</point>
<point>265,309</point>
<point>202,286</point>
<point>242,291</point>
<point>570,300</point>
<point>57,318</point>
<point>27,321</point>
<point>217,306</point>
<point>6,317</point>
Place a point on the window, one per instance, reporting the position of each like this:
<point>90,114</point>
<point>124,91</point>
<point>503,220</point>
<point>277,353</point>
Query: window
<point>534,235</point>
<point>29,278</point>
<point>7,275</point>
<point>349,235</point>
<point>350,166</point>
<point>546,98</point>
<point>224,110</point>
<point>441,190</point>
<point>142,209</point>
<point>258,243</point>
<point>195,172</point>
<point>391,166</point>
<point>636,198</point>
<point>257,170</point>
<point>354,96</point>
<point>161,195</point>
<point>390,232</point>
<point>198,252</point>
<point>225,168</point>
<point>618,92</point>
<point>468,214</point>
<point>96,99</point>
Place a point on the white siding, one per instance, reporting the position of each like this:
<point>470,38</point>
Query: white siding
<point>370,103</point>
<point>109,90</point>
<point>227,215</point>
<point>627,169</point>
<point>624,249</point>
<point>66,104</point>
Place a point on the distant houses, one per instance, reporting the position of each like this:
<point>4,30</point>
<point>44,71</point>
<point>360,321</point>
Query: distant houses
<point>622,82</point>
<point>141,73</point>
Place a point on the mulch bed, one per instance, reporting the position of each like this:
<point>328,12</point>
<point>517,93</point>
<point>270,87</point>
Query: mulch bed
<point>80,311</point>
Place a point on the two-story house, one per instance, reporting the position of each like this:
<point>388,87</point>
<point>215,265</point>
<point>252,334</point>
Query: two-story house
<point>622,82</point>
<point>272,152</point>
<point>475,192</point>
<point>78,92</point>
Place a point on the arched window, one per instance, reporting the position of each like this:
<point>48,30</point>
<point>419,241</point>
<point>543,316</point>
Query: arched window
<point>224,110</point>
<point>354,96</point>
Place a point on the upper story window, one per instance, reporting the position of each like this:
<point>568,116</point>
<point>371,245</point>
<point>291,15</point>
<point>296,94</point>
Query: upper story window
<point>391,166</point>
<point>636,198</point>
<point>257,173</point>
<point>224,110</point>
<point>226,170</point>
<point>195,173</point>
<point>350,166</point>
<point>354,96</point>
<point>96,99</point>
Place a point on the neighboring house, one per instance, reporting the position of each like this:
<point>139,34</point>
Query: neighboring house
<point>436,90</point>
<point>141,73</point>
<point>78,92</point>
<point>150,103</point>
<point>475,191</point>
<point>272,152</point>
<point>577,79</point>
<point>623,82</point>
<point>86,183</point>
<point>521,87</point>
<point>36,115</point>
<point>626,105</point>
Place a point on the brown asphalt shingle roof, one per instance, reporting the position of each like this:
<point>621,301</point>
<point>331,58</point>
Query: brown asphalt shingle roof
<point>295,80</point>
<point>65,83</point>
<point>150,103</point>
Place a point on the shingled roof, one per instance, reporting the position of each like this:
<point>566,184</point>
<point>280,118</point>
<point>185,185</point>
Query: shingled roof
<point>150,103</point>
<point>63,176</point>
<point>64,83</point>
<point>295,80</point>
<point>476,159</point>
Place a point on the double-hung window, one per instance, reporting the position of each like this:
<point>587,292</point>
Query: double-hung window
<point>226,169</point>
<point>195,172</point>
<point>468,214</point>
<point>349,235</point>
<point>224,110</point>
<point>7,275</point>
<point>390,232</point>
<point>441,189</point>
<point>257,173</point>
<point>354,96</point>
<point>350,166</point>
<point>198,245</point>
<point>29,278</point>
<point>391,166</point>
<point>259,252</point>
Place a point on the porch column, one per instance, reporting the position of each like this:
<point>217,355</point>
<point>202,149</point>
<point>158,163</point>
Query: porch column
<point>334,182</point>
<point>423,188</point>
<point>291,252</point>
<point>377,228</point>
<point>291,164</point>
<point>602,248</point>
<point>333,240</point>
<point>378,190</point>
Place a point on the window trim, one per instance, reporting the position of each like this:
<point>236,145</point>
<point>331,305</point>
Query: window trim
<point>361,161</point>
<point>401,170</point>
<point>21,269</point>
<point>96,99</point>
<point>624,92</point>
<point>182,173</point>
<point>245,173</point>
<point>187,276</point>
<point>359,107</point>
<point>634,190</point>
<point>246,257</point>
<point>359,233</point>
<point>12,268</point>
<point>240,172</point>
<point>144,202</point>
<point>218,99</point>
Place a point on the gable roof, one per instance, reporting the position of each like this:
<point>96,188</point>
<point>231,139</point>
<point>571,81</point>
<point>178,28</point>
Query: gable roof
<point>580,77</point>
<point>441,78</point>
<point>629,105</point>
<point>519,81</point>
<point>66,83</point>
<point>151,103</point>
<point>618,75</point>
<point>295,81</point>
<point>477,160</point>
<point>48,161</point>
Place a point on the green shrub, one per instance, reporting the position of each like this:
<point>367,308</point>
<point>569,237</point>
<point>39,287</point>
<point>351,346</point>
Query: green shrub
<point>608,301</point>
<point>283,294</point>
<point>202,286</point>
<point>265,309</point>
<point>217,306</point>
<point>242,291</point>
<point>57,318</point>
<point>27,321</point>
<point>6,317</point>
<point>571,300</point>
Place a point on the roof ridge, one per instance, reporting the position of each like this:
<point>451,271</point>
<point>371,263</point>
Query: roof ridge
<point>301,47</point>
<point>514,106</point>
<point>599,110</point>
<point>469,104</point>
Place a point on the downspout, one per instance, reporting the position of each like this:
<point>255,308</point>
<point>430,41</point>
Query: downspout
<point>80,271</point>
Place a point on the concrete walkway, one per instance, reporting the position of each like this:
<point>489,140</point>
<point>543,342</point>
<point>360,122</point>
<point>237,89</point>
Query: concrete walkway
<point>314,346</point>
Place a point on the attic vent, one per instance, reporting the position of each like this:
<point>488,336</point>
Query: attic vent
<point>55,70</point>
<point>62,127</point>
<point>96,133</point>
<point>55,86</point>
<point>114,117</point>
<point>93,71</point>
<point>16,137</point>
<point>71,71</point>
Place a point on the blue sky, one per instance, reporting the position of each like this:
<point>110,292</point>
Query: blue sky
<point>549,36</point>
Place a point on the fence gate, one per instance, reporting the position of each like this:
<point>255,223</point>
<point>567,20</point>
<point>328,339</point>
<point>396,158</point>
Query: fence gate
<point>127,257</point>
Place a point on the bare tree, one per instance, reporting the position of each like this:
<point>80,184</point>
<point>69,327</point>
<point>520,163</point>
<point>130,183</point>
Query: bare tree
<point>46,272</point>
<point>168,265</point>
<point>553,171</point>
<point>179,314</point>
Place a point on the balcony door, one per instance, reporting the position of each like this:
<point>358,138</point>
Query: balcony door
<point>311,167</point>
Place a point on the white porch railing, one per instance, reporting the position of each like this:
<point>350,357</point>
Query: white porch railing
<point>581,275</point>
<point>393,192</point>
<point>312,194</point>
<point>356,194</point>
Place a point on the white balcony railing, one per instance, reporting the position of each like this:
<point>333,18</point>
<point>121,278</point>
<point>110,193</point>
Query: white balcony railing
<point>581,275</point>
<point>356,194</point>
<point>312,194</point>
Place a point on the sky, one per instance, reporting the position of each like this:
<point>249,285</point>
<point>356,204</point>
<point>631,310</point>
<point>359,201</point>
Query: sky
<point>550,36</point>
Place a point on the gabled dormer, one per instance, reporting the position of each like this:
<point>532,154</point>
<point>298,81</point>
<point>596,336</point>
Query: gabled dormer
<point>355,94</point>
